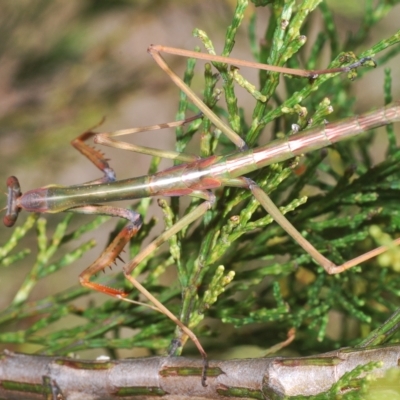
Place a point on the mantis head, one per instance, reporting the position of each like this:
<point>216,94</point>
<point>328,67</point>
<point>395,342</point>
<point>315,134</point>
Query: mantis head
<point>13,209</point>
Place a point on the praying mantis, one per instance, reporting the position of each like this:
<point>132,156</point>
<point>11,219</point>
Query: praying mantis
<point>195,177</point>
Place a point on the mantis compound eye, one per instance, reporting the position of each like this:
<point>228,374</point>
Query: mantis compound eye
<point>14,193</point>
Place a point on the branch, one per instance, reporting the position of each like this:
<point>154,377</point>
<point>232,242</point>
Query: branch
<point>33,377</point>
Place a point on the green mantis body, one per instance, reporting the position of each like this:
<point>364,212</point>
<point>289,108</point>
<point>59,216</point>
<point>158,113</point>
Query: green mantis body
<point>194,177</point>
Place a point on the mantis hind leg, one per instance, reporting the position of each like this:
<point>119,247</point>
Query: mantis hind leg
<point>330,267</point>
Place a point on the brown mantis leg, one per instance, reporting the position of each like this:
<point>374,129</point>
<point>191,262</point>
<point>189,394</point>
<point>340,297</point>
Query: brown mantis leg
<point>109,255</point>
<point>312,74</point>
<point>276,214</point>
<point>106,139</point>
<point>94,155</point>
<point>231,134</point>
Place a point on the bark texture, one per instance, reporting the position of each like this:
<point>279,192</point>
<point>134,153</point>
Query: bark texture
<point>25,377</point>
